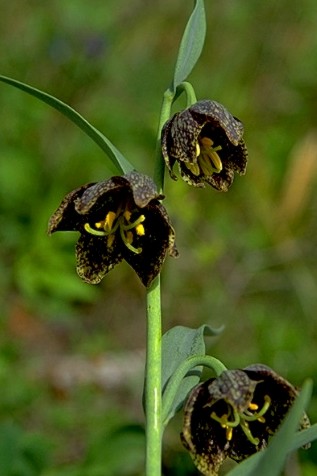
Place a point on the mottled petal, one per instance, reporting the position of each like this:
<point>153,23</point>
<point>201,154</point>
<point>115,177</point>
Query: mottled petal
<point>283,393</point>
<point>179,138</point>
<point>95,259</point>
<point>158,241</point>
<point>100,192</point>
<point>206,442</point>
<point>215,113</point>
<point>143,189</point>
<point>66,217</point>
<point>165,143</point>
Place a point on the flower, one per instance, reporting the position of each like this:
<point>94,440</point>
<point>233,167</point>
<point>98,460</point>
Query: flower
<point>206,142</point>
<point>120,218</point>
<point>234,415</point>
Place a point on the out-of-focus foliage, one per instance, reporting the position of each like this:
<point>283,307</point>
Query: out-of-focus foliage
<point>248,257</point>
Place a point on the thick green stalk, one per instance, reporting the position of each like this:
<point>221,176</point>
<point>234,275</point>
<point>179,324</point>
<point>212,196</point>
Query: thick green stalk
<point>153,368</point>
<point>153,381</point>
<point>164,116</point>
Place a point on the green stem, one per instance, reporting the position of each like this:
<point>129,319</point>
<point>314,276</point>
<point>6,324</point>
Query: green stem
<point>164,116</point>
<point>153,381</point>
<point>153,368</point>
<point>176,379</point>
<point>188,89</point>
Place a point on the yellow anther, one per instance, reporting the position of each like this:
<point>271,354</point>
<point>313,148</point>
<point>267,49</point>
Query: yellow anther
<point>253,406</point>
<point>140,230</point>
<point>197,149</point>
<point>229,433</point>
<point>205,165</point>
<point>261,419</point>
<point>215,160</point>
<point>129,237</point>
<point>206,142</point>
<point>110,240</point>
<point>110,218</point>
<point>194,168</point>
<point>127,215</point>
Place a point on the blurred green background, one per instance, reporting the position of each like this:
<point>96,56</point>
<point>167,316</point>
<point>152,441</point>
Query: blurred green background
<point>72,355</point>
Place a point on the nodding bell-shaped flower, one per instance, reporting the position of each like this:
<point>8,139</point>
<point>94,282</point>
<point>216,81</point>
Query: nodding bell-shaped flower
<point>234,415</point>
<point>120,218</point>
<point>207,143</point>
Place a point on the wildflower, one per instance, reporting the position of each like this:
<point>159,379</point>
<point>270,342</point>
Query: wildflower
<point>206,142</point>
<point>234,415</point>
<point>120,218</point>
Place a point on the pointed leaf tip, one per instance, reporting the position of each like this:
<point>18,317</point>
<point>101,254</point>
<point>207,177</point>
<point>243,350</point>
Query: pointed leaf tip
<point>191,44</point>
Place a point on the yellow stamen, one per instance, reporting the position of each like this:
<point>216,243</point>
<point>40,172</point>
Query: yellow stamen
<point>208,158</point>
<point>140,230</point>
<point>215,160</point>
<point>127,215</point>
<point>242,419</point>
<point>205,165</point>
<point>194,168</point>
<point>110,218</point>
<point>110,240</point>
<point>129,237</point>
<point>114,221</point>
<point>229,433</point>
<point>197,149</point>
<point>207,142</point>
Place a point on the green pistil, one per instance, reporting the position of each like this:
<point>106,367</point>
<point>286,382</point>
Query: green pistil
<point>112,222</point>
<point>242,419</point>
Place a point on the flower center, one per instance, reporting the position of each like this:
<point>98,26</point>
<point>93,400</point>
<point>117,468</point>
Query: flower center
<point>208,160</point>
<point>120,222</point>
<point>233,418</point>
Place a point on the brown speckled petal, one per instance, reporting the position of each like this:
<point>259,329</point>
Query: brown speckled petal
<point>205,442</point>
<point>95,259</point>
<point>211,111</point>
<point>143,189</point>
<point>158,241</point>
<point>98,191</point>
<point>66,218</point>
<point>182,138</point>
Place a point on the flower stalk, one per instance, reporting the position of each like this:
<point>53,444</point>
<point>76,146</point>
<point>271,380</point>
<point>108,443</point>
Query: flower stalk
<point>153,367</point>
<point>153,381</point>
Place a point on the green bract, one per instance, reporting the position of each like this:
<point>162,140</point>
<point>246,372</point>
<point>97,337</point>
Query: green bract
<point>120,218</point>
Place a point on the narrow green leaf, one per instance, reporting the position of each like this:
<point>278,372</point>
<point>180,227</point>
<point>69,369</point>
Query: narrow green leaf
<point>270,462</point>
<point>304,437</point>
<point>178,344</point>
<point>118,160</point>
<point>191,45</point>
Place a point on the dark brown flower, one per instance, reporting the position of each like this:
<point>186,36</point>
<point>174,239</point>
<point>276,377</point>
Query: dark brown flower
<point>120,218</point>
<point>234,415</point>
<point>206,142</point>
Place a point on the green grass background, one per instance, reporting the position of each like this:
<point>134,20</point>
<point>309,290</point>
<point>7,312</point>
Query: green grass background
<point>247,257</point>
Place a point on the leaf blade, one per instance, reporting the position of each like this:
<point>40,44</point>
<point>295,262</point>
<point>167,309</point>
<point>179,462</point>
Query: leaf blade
<point>178,344</point>
<point>117,159</point>
<point>191,44</point>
